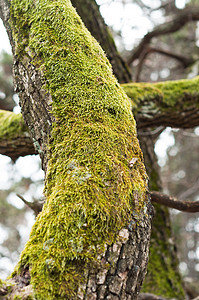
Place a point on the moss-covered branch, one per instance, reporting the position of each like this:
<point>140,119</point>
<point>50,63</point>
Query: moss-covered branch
<point>173,103</point>
<point>169,103</point>
<point>15,140</point>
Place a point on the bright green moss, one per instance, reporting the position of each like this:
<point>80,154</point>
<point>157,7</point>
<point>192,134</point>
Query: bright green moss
<point>140,92</point>
<point>163,94</point>
<point>11,125</point>
<point>95,164</point>
<point>180,91</point>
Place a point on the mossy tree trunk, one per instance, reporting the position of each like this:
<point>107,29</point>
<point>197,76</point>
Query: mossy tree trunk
<point>153,105</point>
<point>91,239</point>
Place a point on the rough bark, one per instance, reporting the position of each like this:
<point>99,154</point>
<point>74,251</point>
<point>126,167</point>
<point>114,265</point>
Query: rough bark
<point>91,239</point>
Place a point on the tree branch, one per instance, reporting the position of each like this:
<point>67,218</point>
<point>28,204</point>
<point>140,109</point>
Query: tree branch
<point>169,103</point>
<point>15,140</point>
<point>20,146</point>
<point>172,202</point>
<point>185,61</point>
<point>189,14</point>
<point>36,206</point>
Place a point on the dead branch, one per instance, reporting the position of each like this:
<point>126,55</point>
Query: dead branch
<point>36,206</point>
<point>189,14</point>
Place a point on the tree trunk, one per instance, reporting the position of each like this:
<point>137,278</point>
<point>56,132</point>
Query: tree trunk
<point>147,101</point>
<point>91,239</point>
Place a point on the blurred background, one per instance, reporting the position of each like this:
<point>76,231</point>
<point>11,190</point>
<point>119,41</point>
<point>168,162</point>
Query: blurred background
<point>171,55</point>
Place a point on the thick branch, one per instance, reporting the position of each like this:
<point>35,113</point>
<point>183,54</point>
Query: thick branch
<point>185,16</point>
<point>172,202</point>
<point>15,140</point>
<point>169,103</point>
<point>172,104</point>
<point>20,146</point>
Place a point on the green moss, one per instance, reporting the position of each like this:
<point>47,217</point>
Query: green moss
<point>7,286</point>
<point>95,166</point>
<point>163,94</point>
<point>180,91</point>
<point>11,125</point>
<point>141,92</point>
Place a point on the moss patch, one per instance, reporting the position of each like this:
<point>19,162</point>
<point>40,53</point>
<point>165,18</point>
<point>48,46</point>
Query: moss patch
<point>163,94</point>
<point>95,168</point>
<point>11,125</point>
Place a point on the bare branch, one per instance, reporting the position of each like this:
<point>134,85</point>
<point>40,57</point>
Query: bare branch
<point>36,206</point>
<point>172,202</point>
<point>185,61</point>
<point>189,14</point>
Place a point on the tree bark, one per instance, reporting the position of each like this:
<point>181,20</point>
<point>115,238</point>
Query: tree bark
<point>91,239</point>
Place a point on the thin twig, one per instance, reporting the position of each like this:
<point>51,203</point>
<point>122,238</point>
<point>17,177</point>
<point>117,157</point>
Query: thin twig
<point>172,202</point>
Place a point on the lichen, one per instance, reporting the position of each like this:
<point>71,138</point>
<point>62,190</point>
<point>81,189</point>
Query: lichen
<point>90,183</point>
<point>11,125</point>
